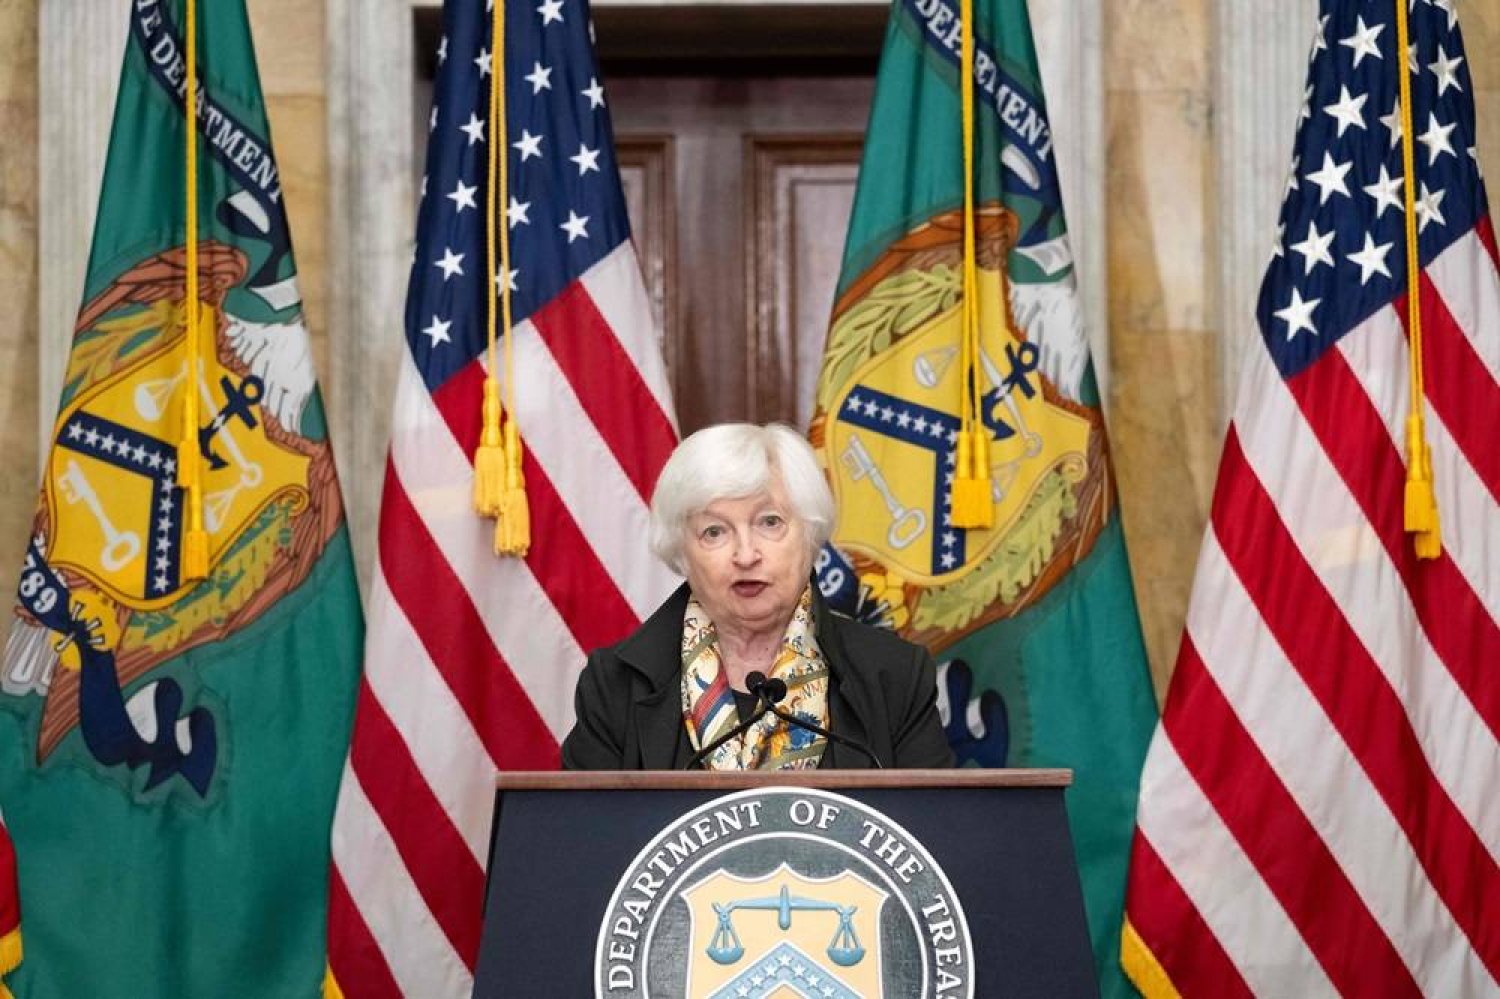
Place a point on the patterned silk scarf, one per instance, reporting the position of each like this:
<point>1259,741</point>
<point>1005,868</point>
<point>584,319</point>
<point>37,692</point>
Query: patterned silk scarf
<point>708,707</point>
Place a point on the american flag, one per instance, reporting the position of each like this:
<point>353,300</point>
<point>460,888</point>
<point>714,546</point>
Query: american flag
<point>470,659</point>
<point>1319,811</point>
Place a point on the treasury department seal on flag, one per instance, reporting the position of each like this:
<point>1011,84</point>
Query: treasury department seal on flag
<point>102,593</point>
<point>887,423</point>
<point>178,681</point>
<point>1024,596</point>
<point>104,598</point>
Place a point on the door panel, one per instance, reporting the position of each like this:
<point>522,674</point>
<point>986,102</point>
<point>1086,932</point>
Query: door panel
<point>739,190</point>
<point>801,190</point>
<point>647,173</point>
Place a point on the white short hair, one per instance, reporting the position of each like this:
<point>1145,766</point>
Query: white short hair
<point>731,460</point>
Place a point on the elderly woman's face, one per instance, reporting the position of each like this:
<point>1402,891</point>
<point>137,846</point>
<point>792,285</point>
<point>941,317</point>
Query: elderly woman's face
<point>748,561</point>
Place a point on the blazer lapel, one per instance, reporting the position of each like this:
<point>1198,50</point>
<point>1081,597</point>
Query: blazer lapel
<point>655,653</point>
<point>849,702</point>
<point>659,729</point>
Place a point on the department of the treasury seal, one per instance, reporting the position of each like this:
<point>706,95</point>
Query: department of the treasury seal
<point>784,892</point>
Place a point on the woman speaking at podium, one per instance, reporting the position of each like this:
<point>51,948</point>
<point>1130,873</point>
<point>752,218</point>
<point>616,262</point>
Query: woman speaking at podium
<point>745,667</point>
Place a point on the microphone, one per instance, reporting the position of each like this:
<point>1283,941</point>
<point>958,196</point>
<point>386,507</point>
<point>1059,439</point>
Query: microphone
<point>773,691</point>
<point>755,683</point>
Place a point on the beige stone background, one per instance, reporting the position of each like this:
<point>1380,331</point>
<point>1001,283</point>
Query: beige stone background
<point>1162,263</point>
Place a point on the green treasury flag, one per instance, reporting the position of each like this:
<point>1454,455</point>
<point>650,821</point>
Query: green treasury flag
<point>170,747</point>
<point>1035,616</point>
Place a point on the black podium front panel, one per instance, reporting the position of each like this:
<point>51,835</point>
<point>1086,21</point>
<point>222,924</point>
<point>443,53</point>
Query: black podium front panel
<point>781,918</point>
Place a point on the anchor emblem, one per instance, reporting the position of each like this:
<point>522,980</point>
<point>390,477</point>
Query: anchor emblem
<point>237,402</point>
<point>1023,360</point>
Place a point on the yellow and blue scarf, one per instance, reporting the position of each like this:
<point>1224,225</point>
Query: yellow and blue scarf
<point>708,705</point>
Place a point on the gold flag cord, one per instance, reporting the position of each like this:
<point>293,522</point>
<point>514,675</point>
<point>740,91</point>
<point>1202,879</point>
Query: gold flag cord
<point>971,505</point>
<point>189,460</point>
<point>1421,511</point>
<point>499,485</point>
<point>489,457</point>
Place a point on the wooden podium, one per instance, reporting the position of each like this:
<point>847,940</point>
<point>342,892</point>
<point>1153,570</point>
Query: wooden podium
<point>815,884</point>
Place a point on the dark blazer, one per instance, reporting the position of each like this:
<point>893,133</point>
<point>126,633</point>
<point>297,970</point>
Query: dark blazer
<point>882,691</point>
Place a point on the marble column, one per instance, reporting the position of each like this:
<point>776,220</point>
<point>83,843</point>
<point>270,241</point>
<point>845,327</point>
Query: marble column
<point>373,169</point>
<point>1263,47</point>
<point>18,272</point>
<point>1479,20</point>
<point>1070,50</point>
<point>78,68</point>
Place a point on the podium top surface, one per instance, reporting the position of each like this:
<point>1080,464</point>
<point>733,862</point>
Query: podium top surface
<point>701,780</point>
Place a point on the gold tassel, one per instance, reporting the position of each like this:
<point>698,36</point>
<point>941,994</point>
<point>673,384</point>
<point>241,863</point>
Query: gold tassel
<point>194,538</point>
<point>489,457</point>
<point>197,325</point>
<point>189,472</point>
<point>10,951</point>
<point>972,505</point>
<point>1419,505</point>
<point>1429,544</point>
<point>513,531</point>
<point>1420,500</point>
<point>195,554</point>
<point>1421,510</point>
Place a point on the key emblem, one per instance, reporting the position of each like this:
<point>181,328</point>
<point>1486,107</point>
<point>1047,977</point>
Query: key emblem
<point>120,547</point>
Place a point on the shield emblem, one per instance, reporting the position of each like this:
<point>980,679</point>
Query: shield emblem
<point>890,444</point>
<point>784,934</point>
<point>110,485</point>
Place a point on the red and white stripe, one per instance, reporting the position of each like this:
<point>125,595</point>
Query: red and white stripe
<point>470,659</point>
<point>1318,812</point>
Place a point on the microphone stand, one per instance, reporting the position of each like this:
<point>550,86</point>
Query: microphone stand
<point>755,683</point>
<point>772,692</point>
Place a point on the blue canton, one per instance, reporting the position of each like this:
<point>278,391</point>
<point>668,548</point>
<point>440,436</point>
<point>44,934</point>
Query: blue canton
<point>566,209</point>
<point>1340,251</point>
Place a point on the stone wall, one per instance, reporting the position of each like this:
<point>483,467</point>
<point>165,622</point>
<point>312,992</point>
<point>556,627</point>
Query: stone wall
<point>289,36</point>
<point>18,278</point>
<point>1164,413</point>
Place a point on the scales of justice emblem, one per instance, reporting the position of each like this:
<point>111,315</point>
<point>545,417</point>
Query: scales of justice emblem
<point>785,934</point>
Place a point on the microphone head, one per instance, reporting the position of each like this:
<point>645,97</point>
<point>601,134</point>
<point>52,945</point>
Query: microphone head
<point>754,680</point>
<point>774,690</point>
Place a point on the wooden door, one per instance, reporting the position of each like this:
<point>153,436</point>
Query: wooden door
<point>739,185</point>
